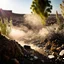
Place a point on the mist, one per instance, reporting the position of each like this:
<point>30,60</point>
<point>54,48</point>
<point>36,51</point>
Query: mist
<point>25,36</point>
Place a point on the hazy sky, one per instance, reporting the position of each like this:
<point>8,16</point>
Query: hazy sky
<point>56,5</point>
<point>23,6</point>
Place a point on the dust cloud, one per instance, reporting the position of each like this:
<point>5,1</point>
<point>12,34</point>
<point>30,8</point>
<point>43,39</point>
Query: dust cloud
<point>21,36</point>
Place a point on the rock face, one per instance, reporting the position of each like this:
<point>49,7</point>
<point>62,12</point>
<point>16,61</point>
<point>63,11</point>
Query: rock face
<point>12,53</point>
<point>9,49</point>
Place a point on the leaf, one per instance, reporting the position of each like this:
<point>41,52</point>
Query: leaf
<point>41,8</point>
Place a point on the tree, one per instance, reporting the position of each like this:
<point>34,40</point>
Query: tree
<point>42,8</point>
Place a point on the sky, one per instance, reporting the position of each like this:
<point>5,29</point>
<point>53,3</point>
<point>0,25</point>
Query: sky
<point>23,6</point>
<point>56,5</point>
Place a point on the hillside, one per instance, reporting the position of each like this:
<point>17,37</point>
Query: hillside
<point>31,42</point>
<point>13,53</point>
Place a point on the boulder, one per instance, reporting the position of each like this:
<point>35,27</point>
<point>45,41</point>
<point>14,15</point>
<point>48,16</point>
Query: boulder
<point>27,47</point>
<point>9,49</point>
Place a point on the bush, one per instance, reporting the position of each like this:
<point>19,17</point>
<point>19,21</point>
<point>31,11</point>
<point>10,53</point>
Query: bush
<point>5,26</point>
<point>57,38</point>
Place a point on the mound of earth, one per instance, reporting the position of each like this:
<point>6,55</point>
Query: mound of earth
<point>13,53</point>
<point>9,49</point>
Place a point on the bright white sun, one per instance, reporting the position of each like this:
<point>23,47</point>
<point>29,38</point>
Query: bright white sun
<point>3,3</point>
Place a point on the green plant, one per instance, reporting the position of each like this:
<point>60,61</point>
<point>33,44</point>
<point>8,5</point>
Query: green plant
<point>61,25</point>
<point>62,8</point>
<point>5,27</point>
<point>58,22</point>
<point>57,17</point>
<point>42,8</point>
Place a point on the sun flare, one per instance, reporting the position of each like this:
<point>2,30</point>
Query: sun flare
<point>3,3</point>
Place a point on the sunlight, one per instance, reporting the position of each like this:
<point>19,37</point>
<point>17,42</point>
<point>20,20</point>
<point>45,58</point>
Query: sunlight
<point>16,34</point>
<point>3,3</point>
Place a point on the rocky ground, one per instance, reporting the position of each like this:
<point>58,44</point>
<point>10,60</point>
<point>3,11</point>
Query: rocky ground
<point>13,53</point>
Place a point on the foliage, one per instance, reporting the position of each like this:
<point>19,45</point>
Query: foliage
<point>58,22</point>
<point>61,25</point>
<point>42,8</point>
<point>5,26</point>
<point>62,8</point>
<point>57,17</point>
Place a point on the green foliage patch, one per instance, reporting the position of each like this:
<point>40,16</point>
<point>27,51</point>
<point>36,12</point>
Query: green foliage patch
<point>41,8</point>
<point>5,26</point>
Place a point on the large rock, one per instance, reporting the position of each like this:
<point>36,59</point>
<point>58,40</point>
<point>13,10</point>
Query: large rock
<point>9,48</point>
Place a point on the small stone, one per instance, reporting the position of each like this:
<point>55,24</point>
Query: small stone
<point>50,56</point>
<point>35,57</point>
<point>61,53</point>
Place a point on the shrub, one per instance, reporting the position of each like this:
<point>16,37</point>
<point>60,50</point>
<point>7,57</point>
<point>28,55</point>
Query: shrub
<point>62,8</point>
<point>5,26</point>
